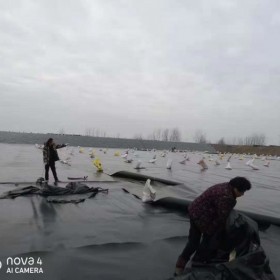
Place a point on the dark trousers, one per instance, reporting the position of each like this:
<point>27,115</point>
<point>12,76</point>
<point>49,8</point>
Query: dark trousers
<point>52,166</point>
<point>194,245</point>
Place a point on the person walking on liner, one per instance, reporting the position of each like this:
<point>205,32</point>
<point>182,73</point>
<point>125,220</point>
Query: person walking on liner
<point>50,156</point>
<point>208,214</point>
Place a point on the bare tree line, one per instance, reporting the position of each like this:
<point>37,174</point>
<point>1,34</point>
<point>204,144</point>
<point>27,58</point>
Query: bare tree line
<point>254,139</point>
<point>95,132</point>
<point>258,139</point>
<point>175,135</point>
<point>200,137</point>
<point>166,134</point>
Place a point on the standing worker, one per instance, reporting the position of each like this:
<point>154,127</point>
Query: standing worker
<point>208,214</point>
<point>50,156</point>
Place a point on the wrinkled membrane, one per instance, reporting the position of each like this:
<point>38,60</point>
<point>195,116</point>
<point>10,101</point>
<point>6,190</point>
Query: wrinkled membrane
<point>115,235</point>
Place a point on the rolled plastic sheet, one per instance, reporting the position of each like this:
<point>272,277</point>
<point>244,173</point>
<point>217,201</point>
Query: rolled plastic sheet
<point>182,205</point>
<point>142,177</point>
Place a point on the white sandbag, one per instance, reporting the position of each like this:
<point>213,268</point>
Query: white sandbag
<point>169,164</point>
<point>228,167</point>
<point>138,165</point>
<point>149,194</point>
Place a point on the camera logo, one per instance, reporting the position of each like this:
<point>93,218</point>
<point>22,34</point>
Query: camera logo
<point>23,265</point>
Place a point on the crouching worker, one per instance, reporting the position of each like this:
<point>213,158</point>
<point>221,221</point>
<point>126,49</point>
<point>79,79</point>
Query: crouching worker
<point>50,156</point>
<point>208,214</point>
<point>238,254</point>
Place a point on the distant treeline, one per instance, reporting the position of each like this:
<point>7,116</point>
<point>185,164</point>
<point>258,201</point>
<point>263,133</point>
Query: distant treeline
<point>243,149</point>
<point>102,142</point>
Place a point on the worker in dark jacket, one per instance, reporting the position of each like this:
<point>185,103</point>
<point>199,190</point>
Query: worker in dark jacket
<point>208,214</point>
<point>50,156</point>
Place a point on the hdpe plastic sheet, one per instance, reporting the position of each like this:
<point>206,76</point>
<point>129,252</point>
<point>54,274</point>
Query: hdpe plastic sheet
<point>115,235</point>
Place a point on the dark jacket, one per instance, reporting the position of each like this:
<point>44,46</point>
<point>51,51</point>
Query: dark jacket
<point>50,154</point>
<point>210,210</point>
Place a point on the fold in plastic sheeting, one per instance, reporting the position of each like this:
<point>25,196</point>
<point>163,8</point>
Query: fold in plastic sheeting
<point>181,205</point>
<point>142,177</point>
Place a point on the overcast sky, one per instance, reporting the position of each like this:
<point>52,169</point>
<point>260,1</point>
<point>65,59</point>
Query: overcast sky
<point>128,67</point>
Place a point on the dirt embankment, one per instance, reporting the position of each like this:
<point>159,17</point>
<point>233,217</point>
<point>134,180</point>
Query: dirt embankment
<point>259,150</point>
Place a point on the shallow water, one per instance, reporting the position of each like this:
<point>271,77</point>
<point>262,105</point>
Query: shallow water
<point>115,235</point>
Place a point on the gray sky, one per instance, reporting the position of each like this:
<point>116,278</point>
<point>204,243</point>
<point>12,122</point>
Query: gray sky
<point>127,67</point>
